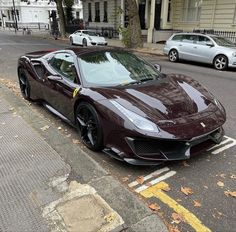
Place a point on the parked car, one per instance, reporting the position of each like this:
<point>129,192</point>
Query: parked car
<point>87,38</point>
<point>123,105</point>
<point>211,49</point>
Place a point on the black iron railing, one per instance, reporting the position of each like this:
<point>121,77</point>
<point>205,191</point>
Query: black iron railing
<point>228,34</point>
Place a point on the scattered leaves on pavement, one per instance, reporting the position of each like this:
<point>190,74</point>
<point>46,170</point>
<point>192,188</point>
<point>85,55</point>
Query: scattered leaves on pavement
<point>186,190</point>
<point>75,141</point>
<point>45,128</point>
<point>125,179</point>
<point>220,183</point>
<point>197,203</point>
<point>154,207</point>
<point>140,179</point>
<point>165,188</point>
<point>110,217</point>
<point>233,177</point>
<point>177,218</point>
<point>185,164</point>
<point>230,193</point>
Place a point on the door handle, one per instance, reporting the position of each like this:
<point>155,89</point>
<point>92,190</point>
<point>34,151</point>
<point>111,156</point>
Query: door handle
<point>180,45</point>
<point>194,47</point>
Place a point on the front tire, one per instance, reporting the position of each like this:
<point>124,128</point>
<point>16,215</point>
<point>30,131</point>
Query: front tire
<point>71,41</point>
<point>89,125</point>
<point>24,84</point>
<point>84,43</point>
<point>173,55</point>
<point>220,62</point>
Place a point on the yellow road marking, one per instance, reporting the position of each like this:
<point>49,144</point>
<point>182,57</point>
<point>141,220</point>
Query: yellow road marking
<point>191,219</point>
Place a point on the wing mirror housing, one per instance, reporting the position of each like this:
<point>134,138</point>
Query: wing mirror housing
<point>209,44</point>
<point>157,67</point>
<point>54,77</point>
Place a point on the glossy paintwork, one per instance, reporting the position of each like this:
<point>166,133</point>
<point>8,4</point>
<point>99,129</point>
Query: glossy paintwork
<point>176,103</point>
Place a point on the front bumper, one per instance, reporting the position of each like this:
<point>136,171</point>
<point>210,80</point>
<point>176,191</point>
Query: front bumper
<point>166,150</point>
<point>232,62</point>
<point>98,43</point>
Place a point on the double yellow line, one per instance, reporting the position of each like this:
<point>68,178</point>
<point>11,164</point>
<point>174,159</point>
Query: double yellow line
<point>191,219</point>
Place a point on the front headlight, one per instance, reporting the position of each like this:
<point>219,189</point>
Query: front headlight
<point>218,104</point>
<point>234,54</point>
<point>139,121</point>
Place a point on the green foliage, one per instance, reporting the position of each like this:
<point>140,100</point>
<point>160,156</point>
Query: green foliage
<point>126,36</point>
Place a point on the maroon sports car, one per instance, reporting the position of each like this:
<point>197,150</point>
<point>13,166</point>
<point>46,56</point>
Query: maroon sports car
<point>123,105</point>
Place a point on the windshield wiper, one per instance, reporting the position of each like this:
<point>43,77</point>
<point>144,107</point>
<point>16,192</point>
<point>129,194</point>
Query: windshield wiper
<point>146,79</point>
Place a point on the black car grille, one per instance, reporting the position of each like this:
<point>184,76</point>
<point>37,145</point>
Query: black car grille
<point>160,149</point>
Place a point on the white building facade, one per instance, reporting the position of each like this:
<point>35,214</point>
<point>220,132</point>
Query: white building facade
<point>31,13</point>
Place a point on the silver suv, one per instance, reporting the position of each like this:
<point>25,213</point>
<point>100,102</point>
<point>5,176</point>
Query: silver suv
<point>204,48</point>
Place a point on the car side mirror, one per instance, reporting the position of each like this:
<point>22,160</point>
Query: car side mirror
<point>209,44</point>
<point>157,67</point>
<point>54,77</point>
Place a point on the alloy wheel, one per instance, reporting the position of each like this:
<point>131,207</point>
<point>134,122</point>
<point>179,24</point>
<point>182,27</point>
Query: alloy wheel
<point>90,128</point>
<point>220,62</point>
<point>24,85</point>
<point>173,55</point>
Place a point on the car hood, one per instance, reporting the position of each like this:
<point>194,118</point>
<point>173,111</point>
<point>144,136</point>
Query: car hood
<point>97,38</point>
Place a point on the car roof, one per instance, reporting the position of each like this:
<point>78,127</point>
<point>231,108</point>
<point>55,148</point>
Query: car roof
<point>196,33</point>
<point>87,50</point>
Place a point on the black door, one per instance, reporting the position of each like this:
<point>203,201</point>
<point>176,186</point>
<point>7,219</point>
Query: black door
<point>157,22</point>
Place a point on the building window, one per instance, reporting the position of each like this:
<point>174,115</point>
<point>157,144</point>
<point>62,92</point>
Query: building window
<point>169,12</point>
<point>105,12</point>
<point>89,12</point>
<point>234,22</point>
<point>192,10</point>
<point>97,12</point>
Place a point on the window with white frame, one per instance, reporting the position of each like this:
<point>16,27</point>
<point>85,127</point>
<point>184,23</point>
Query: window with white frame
<point>192,10</point>
<point>169,12</point>
<point>234,22</point>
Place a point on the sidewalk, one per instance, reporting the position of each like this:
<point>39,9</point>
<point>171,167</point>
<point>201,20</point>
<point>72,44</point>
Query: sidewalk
<point>39,191</point>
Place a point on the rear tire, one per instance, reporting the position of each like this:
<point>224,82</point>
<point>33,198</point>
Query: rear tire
<point>173,55</point>
<point>220,62</point>
<point>85,44</point>
<point>24,84</point>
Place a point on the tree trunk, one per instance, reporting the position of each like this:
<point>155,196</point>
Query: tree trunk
<point>61,15</point>
<point>134,24</point>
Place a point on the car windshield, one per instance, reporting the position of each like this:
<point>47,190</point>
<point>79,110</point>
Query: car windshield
<point>91,33</point>
<point>113,68</point>
<point>221,41</point>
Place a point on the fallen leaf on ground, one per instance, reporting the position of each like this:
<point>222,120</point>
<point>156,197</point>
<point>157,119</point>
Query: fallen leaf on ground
<point>125,179</point>
<point>154,207</point>
<point>185,164</point>
<point>148,184</point>
<point>1,137</point>
<point>59,128</point>
<point>140,179</point>
<point>44,128</point>
<point>222,175</point>
<point>166,188</point>
<point>16,136</point>
<point>75,141</point>
<point>196,203</point>
<point>186,190</point>
<point>179,200</point>
<point>233,177</point>
<point>11,109</point>
<point>110,217</point>
<point>68,136</point>
<point>220,183</point>
<point>230,193</point>
<point>177,218</point>
<point>206,187</point>
<point>172,228</point>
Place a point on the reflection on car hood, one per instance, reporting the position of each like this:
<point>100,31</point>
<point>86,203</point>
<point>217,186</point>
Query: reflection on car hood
<point>173,97</point>
<point>97,38</point>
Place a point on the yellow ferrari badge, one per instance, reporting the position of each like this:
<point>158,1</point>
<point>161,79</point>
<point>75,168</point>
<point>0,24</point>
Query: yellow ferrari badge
<point>75,92</point>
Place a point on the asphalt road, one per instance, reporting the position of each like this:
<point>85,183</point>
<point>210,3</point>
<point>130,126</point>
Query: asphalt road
<point>208,175</point>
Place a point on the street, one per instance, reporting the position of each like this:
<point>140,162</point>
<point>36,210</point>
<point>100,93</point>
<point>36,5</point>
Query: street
<point>196,188</point>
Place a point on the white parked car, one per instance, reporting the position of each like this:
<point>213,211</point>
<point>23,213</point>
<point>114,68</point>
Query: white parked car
<point>211,49</point>
<point>87,38</point>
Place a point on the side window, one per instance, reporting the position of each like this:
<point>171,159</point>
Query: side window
<point>177,38</point>
<point>63,63</point>
<point>189,38</point>
<point>203,40</point>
